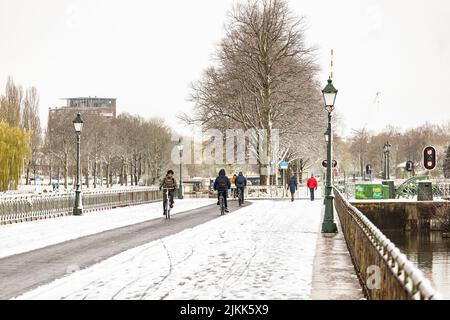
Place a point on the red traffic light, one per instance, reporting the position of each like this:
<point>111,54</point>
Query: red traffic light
<point>429,158</point>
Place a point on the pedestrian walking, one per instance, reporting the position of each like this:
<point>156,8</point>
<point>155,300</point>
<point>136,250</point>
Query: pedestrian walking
<point>292,186</point>
<point>312,186</point>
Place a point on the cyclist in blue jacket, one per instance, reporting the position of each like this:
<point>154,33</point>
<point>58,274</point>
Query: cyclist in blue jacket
<point>222,184</point>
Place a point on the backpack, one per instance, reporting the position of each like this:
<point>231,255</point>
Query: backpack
<point>222,183</point>
<point>240,181</point>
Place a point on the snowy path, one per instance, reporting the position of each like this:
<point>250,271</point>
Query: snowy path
<point>264,251</point>
<point>23,237</point>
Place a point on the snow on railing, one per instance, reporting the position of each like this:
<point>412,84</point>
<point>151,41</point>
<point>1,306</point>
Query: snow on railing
<point>27,208</point>
<point>372,250</point>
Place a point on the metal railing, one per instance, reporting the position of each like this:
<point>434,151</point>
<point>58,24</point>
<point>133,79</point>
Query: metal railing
<point>371,250</point>
<point>278,192</point>
<point>28,208</point>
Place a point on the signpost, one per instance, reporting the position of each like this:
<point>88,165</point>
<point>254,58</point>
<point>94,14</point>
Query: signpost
<point>283,166</point>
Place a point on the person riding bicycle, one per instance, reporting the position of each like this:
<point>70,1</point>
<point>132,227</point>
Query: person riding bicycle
<point>222,184</point>
<point>169,182</point>
<point>241,183</point>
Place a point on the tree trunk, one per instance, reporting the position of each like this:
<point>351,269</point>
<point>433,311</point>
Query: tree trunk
<point>87,173</point>
<point>107,175</point>
<point>135,169</point>
<point>95,172</point>
<point>50,173</point>
<point>34,172</point>
<point>140,166</point>
<point>66,169</point>
<point>131,172</point>
<point>28,173</point>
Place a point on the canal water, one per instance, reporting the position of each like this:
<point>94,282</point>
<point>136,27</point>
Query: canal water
<point>429,252</point>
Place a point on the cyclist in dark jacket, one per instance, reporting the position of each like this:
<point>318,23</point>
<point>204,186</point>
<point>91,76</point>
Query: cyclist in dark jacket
<point>292,186</point>
<point>169,182</point>
<point>241,183</point>
<point>222,184</point>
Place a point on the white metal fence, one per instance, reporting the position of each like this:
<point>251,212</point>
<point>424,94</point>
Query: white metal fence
<point>26,208</point>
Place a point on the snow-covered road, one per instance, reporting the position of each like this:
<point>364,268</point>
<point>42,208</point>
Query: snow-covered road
<point>23,237</point>
<point>264,251</point>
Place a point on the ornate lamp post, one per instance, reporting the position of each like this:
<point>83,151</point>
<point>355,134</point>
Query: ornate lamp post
<point>329,96</point>
<point>387,150</point>
<point>180,188</point>
<point>78,208</point>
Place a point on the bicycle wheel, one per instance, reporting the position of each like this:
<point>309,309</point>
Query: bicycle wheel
<point>222,206</point>
<point>165,206</point>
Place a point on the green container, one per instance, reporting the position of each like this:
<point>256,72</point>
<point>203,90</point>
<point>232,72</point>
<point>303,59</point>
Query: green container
<point>371,191</point>
<point>386,192</point>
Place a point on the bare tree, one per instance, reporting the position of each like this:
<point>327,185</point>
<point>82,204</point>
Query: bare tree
<point>31,124</point>
<point>265,79</point>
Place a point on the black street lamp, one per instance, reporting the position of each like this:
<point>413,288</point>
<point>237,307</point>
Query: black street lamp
<point>78,208</point>
<point>180,150</point>
<point>387,150</point>
<point>329,96</point>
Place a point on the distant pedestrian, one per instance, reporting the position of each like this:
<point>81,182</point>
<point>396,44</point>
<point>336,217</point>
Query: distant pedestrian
<point>312,186</point>
<point>292,186</point>
<point>241,183</point>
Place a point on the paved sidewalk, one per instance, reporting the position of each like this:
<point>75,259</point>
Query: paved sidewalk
<point>334,275</point>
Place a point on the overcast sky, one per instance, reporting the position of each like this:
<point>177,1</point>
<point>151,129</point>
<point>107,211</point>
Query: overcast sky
<point>146,53</point>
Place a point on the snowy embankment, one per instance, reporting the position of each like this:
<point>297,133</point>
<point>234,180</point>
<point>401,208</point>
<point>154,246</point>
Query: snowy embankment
<point>23,237</point>
<point>263,251</point>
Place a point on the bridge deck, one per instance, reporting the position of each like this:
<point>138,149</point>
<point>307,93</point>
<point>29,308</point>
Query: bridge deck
<point>266,250</point>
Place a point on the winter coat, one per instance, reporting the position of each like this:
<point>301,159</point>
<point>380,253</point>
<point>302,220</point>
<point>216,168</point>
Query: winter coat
<point>222,183</point>
<point>292,184</point>
<point>169,183</point>
<point>241,181</point>
<point>312,183</point>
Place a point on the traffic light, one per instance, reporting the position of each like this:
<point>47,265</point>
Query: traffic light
<point>409,166</point>
<point>429,158</point>
<point>369,169</point>
<point>333,163</point>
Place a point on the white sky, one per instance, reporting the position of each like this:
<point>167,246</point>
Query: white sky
<point>146,53</point>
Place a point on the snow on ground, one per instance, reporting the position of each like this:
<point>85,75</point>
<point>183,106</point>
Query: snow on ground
<point>27,236</point>
<point>263,251</point>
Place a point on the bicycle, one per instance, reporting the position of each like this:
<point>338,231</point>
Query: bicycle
<point>240,196</point>
<point>222,203</point>
<point>166,201</point>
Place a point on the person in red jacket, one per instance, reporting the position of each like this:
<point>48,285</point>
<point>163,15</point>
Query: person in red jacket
<point>312,185</point>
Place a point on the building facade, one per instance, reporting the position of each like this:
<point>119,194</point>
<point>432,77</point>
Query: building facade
<point>105,107</point>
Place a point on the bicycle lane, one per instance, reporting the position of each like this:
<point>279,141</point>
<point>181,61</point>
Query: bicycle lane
<point>264,251</point>
<point>23,272</point>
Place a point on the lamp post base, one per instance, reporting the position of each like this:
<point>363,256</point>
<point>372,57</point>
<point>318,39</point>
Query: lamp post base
<point>180,193</point>
<point>78,209</point>
<point>329,225</point>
